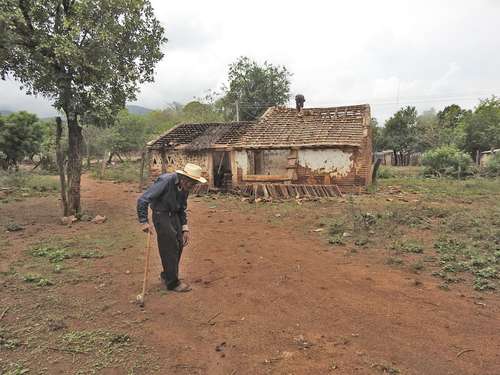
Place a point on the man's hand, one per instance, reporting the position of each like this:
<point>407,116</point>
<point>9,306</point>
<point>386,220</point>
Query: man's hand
<point>185,238</point>
<point>146,227</point>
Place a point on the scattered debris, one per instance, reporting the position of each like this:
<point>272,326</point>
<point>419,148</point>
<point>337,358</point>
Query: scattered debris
<point>68,220</point>
<point>56,325</point>
<point>464,351</point>
<point>4,312</point>
<point>209,321</point>
<point>302,343</point>
<point>220,347</point>
<point>14,227</point>
<point>99,219</point>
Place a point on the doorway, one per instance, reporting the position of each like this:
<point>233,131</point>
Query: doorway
<point>222,170</point>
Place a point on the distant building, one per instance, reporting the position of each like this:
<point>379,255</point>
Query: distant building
<point>316,146</point>
<point>486,155</point>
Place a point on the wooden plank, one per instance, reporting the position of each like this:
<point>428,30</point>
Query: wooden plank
<point>264,177</point>
<point>338,191</point>
<point>264,190</point>
<point>284,191</point>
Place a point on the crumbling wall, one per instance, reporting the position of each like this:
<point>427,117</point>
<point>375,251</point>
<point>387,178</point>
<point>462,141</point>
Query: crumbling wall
<point>176,159</point>
<point>337,166</point>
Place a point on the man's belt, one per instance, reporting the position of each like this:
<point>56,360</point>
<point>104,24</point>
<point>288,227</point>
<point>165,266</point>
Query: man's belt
<point>165,212</point>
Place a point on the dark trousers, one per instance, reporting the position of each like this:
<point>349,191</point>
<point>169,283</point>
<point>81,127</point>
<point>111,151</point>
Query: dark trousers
<point>169,233</point>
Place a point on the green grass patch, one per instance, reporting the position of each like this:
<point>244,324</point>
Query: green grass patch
<point>444,187</point>
<point>37,280</point>
<point>57,252</point>
<point>129,171</point>
<point>22,184</point>
<point>410,246</point>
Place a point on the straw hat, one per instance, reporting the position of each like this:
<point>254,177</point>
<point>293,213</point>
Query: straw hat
<point>192,171</point>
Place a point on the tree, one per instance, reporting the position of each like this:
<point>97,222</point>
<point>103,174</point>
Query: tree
<point>378,141</point>
<point>427,131</point>
<point>399,133</point>
<point>87,56</point>
<point>482,127</point>
<point>20,137</point>
<point>451,116</point>
<point>254,88</point>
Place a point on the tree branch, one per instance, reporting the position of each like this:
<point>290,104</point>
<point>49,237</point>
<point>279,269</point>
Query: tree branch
<point>23,5</point>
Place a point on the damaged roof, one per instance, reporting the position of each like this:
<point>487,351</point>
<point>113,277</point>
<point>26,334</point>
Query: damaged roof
<point>278,127</point>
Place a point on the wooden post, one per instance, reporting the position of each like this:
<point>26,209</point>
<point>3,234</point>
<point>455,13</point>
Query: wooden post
<point>234,169</point>
<point>144,161</point>
<point>163,162</point>
<point>60,165</point>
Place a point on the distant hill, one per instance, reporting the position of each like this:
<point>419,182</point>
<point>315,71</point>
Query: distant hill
<point>138,110</point>
<point>5,112</point>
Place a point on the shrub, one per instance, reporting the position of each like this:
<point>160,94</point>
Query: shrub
<point>492,167</point>
<point>447,161</point>
<point>384,172</point>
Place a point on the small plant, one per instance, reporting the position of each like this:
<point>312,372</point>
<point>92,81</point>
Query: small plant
<point>90,254</point>
<point>53,253</point>
<point>492,167</point>
<point>481,284</point>
<point>445,245</point>
<point>417,266</point>
<point>408,247</point>
<point>447,161</point>
<point>394,261</point>
<point>7,342</point>
<point>38,280</point>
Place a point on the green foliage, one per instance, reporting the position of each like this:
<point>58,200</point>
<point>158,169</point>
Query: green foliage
<point>399,130</point>
<point>87,56</point>
<point>121,172</point>
<point>25,184</point>
<point>447,161</point>
<point>408,247</point>
<point>378,141</point>
<point>38,280</point>
<point>492,167</point>
<point>20,137</point>
<point>384,172</point>
<point>482,128</point>
<point>255,87</point>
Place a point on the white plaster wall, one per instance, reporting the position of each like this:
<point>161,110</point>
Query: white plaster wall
<point>241,161</point>
<point>333,161</point>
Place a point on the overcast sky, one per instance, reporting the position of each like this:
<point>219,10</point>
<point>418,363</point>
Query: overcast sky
<point>385,53</point>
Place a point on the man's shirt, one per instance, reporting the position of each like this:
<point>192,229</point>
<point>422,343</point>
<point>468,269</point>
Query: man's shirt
<point>164,195</point>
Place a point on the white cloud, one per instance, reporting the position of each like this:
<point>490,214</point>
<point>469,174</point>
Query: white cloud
<point>339,52</point>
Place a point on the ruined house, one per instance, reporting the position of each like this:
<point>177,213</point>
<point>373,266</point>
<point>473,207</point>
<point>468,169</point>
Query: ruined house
<point>311,146</point>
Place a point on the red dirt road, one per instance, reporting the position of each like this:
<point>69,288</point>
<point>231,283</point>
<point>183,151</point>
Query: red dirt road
<point>270,300</point>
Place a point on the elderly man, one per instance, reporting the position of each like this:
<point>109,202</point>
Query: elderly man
<point>168,200</point>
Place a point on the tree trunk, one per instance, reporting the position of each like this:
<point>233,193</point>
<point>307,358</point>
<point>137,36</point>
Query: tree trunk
<point>74,163</point>
<point>60,165</point>
<point>395,157</point>
<point>111,154</point>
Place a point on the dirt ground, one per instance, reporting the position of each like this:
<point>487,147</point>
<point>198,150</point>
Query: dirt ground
<point>268,298</point>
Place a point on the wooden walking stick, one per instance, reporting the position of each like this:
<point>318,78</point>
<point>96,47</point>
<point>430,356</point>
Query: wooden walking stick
<point>140,297</point>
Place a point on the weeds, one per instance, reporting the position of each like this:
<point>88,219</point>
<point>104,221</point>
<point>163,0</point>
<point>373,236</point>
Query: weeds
<point>15,369</point>
<point>408,247</point>
<point>57,252</point>
<point>38,280</point>
<point>7,341</point>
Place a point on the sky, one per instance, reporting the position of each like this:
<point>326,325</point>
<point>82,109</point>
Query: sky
<point>388,54</point>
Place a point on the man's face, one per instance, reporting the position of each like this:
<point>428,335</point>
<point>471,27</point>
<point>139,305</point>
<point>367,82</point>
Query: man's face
<point>187,183</point>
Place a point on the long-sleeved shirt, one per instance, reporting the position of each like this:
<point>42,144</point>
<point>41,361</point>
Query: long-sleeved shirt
<point>164,195</point>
